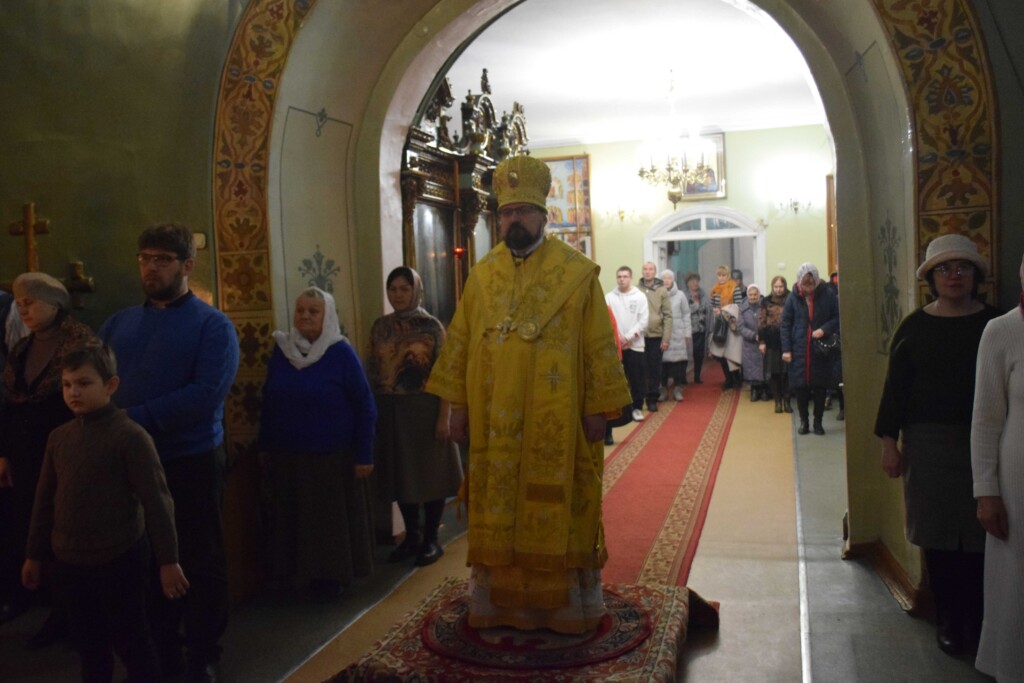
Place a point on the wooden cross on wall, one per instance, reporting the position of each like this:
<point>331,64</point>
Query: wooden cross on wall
<point>28,227</point>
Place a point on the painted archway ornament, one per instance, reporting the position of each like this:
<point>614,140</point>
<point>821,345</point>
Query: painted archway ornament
<point>949,85</point>
<point>245,109</point>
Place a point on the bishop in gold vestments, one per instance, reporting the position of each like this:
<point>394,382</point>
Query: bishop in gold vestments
<point>531,370</point>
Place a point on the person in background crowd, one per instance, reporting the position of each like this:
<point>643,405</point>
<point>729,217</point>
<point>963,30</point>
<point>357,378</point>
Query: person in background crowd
<point>316,428</point>
<point>700,319</point>
<point>730,352</point>
<point>178,357</point>
<point>753,360</point>
<point>997,463</point>
<point>34,407</point>
<point>630,310</point>
<point>928,400</point>
<point>417,463</point>
<point>837,364</point>
<point>740,293</point>
<point>532,375</point>
<point>723,292</point>
<point>810,313</point>
<point>659,331</point>
<point>769,328</point>
<point>680,344</point>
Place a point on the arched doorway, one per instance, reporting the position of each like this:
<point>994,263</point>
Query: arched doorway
<point>698,239</point>
<point>873,94</point>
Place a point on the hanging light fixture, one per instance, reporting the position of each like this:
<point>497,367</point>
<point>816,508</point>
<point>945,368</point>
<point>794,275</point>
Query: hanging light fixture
<point>686,158</point>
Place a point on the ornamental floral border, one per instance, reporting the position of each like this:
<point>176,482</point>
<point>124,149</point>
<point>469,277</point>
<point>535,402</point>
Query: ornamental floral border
<point>942,56</point>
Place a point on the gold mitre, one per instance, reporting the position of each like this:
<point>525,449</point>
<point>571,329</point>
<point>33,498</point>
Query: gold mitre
<point>522,180</point>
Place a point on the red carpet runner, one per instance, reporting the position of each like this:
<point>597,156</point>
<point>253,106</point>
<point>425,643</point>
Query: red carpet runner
<point>658,483</point>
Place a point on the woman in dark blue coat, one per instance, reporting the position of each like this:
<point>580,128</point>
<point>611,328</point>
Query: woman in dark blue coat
<point>811,313</point>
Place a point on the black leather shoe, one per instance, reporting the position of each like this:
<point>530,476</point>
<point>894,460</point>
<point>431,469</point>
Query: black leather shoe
<point>12,610</point>
<point>803,428</point>
<point>408,548</point>
<point>609,441</point>
<point>778,406</point>
<point>949,642</point>
<point>430,554</point>
<point>841,415</point>
<point>787,405</point>
<point>818,429</point>
<point>202,674</point>
<point>54,628</point>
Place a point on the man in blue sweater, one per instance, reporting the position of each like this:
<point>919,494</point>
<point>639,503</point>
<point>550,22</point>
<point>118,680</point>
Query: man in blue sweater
<point>177,358</point>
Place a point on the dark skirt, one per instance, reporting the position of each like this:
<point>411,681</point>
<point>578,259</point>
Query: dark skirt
<point>321,523</point>
<point>938,488</point>
<point>773,363</point>
<point>410,465</point>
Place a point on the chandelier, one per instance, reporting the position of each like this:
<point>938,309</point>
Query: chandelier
<point>685,170</point>
<point>680,174</point>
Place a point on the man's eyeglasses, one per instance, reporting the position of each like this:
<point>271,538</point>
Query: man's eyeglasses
<point>161,260</point>
<point>958,269</point>
<point>511,211</point>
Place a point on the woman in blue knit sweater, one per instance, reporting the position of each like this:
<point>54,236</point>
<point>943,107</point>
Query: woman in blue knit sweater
<point>317,429</point>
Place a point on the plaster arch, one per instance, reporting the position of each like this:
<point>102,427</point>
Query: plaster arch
<point>870,63</point>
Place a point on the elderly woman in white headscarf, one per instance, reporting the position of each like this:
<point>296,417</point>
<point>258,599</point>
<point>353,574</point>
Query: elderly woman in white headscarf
<point>34,406</point>
<point>680,345</point>
<point>811,313</point>
<point>418,463</point>
<point>317,429</point>
<point>753,359</point>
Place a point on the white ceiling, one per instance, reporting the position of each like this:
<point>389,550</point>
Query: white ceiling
<point>591,71</point>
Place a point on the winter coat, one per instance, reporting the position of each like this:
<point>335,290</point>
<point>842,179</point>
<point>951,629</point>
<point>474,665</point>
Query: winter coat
<point>732,349</point>
<point>681,328</point>
<point>753,361</point>
<point>700,314</point>
<point>806,368</point>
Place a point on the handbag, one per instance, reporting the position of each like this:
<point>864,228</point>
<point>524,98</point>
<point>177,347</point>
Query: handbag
<point>827,346</point>
<point>720,330</point>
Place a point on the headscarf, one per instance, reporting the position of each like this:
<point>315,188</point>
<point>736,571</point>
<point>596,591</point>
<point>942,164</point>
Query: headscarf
<point>42,287</point>
<point>754,285</point>
<point>301,352</point>
<point>415,303</point>
<point>804,269</point>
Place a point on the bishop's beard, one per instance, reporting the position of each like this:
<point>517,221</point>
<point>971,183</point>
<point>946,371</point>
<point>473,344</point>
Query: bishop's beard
<point>518,237</point>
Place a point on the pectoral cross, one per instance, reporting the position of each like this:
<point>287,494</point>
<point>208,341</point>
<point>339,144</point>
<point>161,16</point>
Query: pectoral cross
<point>30,227</point>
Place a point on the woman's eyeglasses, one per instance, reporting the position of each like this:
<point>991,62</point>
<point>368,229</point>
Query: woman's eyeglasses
<point>957,268</point>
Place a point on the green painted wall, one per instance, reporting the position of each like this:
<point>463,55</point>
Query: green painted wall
<point>763,169</point>
<point>106,120</point>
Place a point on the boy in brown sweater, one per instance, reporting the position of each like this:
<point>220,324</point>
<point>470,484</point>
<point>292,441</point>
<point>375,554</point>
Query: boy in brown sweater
<point>101,493</point>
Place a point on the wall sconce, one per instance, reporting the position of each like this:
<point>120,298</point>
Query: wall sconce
<point>621,214</point>
<point>793,206</point>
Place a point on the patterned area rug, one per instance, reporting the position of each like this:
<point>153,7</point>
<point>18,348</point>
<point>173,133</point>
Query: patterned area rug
<point>494,654</point>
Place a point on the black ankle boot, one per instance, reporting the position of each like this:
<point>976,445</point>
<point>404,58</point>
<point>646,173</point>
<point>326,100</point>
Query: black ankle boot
<point>803,428</point>
<point>787,405</point>
<point>409,547</point>
<point>818,429</point>
<point>755,395</point>
<point>778,405</point>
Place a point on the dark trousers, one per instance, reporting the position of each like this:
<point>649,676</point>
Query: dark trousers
<point>957,579</point>
<point>652,364</point>
<point>106,608</point>
<point>634,367</point>
<point>432,512</point>
<point>674,371</point>
<point>803,398</point>
<point>196,483</point>
<point>700,350</point>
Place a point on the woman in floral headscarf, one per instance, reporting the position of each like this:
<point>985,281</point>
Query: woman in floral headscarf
<point>417,463</point>
<point>317,427</point>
